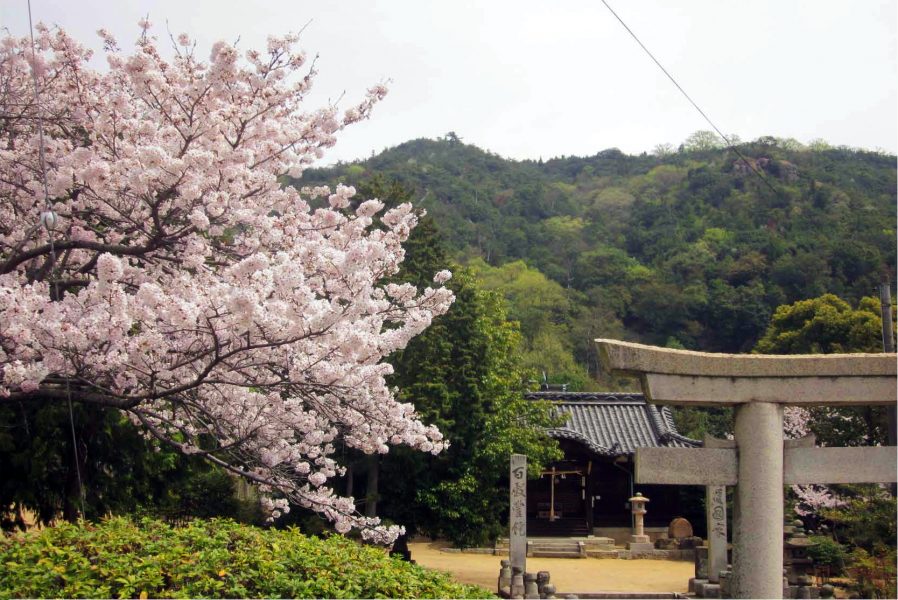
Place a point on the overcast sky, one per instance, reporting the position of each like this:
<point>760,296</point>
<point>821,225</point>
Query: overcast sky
<point>528,79</point>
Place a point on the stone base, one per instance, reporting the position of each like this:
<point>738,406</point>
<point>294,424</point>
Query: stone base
<point>640,539</point>
<point>621,535</point>
<point>595,540</point>
<point>711,590</point>
<point>640,546</point>
<point>694,582</point>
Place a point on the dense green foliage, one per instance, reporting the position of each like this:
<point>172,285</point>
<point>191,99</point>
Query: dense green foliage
<point>824,325</point>
<point>827,325</point>
<point>873,576</point>
<point>865,521</point>
<point>206,559</point>
<point>688,248</point>
<point>465,375</point>
<point>121,470</point>
<point>828,552</point>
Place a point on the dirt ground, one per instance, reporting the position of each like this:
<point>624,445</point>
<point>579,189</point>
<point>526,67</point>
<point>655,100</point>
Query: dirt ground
<point>568,574</point>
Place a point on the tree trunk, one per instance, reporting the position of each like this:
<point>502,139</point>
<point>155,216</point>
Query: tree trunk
<point>71,490</point>
<point>371,495</point>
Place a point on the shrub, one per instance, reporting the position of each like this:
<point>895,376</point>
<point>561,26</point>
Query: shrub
<point>215,558</point>
<point>873,574</point>
<point>867,519</point>
<point>828,552</point>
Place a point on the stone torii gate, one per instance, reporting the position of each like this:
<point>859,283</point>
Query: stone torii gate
<point>759,463</point>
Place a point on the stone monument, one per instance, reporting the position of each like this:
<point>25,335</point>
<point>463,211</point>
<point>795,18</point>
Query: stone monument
<point>716,516</point>
<point>760,463</point>
<point>679,528</point>
<point>517,514</point>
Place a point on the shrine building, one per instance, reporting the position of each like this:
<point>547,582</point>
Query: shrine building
<point>586,492</point>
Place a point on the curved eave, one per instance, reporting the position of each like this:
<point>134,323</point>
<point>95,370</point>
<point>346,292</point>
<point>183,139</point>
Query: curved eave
<point>563,433</point>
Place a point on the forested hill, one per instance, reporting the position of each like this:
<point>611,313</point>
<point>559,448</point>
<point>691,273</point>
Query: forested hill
<point>686,248</point>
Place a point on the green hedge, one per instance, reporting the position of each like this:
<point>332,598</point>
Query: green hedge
<point>207,559</point>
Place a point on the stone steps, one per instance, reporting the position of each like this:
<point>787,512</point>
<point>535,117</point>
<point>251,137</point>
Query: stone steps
<point>556,554</point>
<point>602,553</point>
<point>633,595</point>
<point>554,546</point>
<point>593,544</point>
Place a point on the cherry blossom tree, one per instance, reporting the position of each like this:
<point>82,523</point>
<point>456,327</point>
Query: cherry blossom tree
<point>160,269</point>
<point>811,498</point>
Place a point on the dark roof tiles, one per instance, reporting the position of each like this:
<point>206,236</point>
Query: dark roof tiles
<point>614,424</point>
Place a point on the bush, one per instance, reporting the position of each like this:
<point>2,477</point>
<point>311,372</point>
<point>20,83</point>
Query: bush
<point>215,558</point>
<point>873,574</point>
<point>828,552</point>
<point>867,519</point>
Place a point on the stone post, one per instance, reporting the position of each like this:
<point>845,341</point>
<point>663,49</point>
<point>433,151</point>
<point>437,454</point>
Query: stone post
<point>517,517</point>
<point>716,507</point>
<point>542,579</point>
<point>757,542</point>
<point>517,582</point>
<point>531,590</point>
<point>505,578</point>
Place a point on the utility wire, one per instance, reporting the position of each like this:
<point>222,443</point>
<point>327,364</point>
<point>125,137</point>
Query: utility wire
<point>48,220</point>
<point>691,101</point>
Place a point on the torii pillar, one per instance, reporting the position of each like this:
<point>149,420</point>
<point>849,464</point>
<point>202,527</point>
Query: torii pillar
<point>759,466</point>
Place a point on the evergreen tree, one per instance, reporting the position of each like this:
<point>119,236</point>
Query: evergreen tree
<point>119,470</point>
<point>827,325</point>
<point>464,375</point>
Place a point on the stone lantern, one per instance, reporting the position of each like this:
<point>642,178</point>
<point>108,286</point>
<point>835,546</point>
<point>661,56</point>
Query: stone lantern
<point>799,565</point>
<point>639,542</point>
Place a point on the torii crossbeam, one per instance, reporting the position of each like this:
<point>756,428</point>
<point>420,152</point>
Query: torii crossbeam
<point>760,464</point>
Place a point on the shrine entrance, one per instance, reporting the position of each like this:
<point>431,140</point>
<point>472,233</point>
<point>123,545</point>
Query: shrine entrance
<point>758,463</point>
<point>587,492</point>
<point>557,501</point>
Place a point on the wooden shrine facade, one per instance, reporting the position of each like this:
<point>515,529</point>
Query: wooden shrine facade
<point>589,488</point>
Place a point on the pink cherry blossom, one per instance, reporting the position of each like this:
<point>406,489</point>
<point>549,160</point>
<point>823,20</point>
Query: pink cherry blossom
<point>813,497</point>
<point>181,283</point>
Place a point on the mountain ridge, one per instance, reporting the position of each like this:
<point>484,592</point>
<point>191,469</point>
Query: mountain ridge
<point>687,247</point>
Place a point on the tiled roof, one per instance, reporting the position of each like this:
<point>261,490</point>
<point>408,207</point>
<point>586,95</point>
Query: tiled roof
<point>614,424</point>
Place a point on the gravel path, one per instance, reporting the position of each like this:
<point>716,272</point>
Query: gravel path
<point>568,574</point>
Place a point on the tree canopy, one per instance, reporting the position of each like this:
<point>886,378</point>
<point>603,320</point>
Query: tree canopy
<point>696,247</point>
<point>826,325</point>
<point>161,268</point>
<point>465,374</point>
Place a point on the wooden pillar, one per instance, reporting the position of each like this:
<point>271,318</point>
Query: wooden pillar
<point>590,492</point>
<point>552,496</point>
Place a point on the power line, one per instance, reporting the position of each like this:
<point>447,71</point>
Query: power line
<point>48,220</point>
<point>691,101</point>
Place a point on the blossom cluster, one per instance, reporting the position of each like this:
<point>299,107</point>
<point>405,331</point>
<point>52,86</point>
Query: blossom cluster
<point>226,314</point>
<point>813,497</point>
